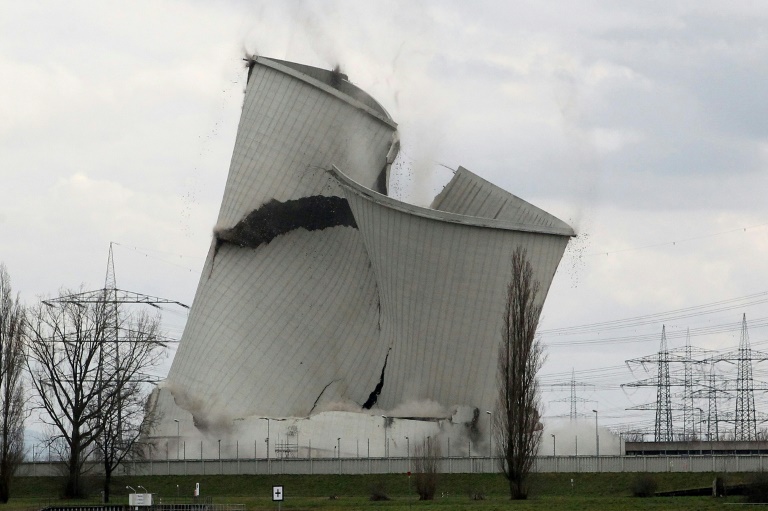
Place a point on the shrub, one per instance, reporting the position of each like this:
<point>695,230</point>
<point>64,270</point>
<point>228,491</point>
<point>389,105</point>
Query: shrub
<point>425,464</point>
<point>378,491</point>
<point>644,486</point>
<point>756,489</point>
<point>426,485</point>
<point>476,495</point>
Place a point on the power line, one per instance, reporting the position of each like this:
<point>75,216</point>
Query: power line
<point>658,317</point>
<point>682,240</point>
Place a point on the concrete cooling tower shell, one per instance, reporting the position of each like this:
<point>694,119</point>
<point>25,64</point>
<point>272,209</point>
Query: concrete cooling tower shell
<point>442,280</point>
<point>286,293</point>
<point>322,293</point>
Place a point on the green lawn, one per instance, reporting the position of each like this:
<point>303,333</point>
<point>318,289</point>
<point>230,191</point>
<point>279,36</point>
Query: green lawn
<point>304,492</point>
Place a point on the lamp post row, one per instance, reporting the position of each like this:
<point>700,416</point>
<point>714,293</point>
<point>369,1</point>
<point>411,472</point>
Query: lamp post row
<point>386,440</point>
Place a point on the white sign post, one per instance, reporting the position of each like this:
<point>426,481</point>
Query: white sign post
<point>277,495</point>
<point>140,499</point>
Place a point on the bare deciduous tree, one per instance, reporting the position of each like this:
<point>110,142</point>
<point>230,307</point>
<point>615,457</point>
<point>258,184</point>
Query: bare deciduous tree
<point>426,461</point>
<point>516,423</point>
<point>12,408</point>
<point>85,359</point>
<point>64,354</point>
<point>123,422</point>
<point>634,436</point>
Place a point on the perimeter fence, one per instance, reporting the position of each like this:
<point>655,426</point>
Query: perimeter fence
<point>402,465</point>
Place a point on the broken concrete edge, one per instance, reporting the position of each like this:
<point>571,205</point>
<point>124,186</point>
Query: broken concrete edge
<point>275,218</point>
<point>441,216</point>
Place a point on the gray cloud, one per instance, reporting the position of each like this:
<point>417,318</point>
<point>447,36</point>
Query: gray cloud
<point>641,123</point>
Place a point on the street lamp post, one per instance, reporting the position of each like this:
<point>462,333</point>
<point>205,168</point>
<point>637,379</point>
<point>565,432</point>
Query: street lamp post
<point>597,436</point>
<point>490,434</point>
<point>338,445</point>
<point>267,439</point>
<point>237,442</point>
<point>408,452</point>
<point>554,450</point>
<point>178,437</point>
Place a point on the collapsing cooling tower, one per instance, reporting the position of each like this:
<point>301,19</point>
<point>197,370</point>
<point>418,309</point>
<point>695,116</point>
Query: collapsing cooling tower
<point>320,289</point>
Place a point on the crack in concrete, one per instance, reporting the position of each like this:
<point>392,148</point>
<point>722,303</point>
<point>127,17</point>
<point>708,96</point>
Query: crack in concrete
<point>321,395</point>
<point>374,396</point>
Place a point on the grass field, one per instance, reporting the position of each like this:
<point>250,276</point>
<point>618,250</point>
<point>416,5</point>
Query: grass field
<point>352,492</point>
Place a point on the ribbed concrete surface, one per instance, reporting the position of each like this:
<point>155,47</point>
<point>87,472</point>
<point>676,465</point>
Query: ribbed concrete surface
<point>278,324</point>
<point>469,194</point>
<point>292,125</point>
<point>442,286</point>
<point>271,328</point>
<point>306,321</point>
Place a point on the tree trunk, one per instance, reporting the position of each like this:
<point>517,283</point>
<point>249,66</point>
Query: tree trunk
<point>5,469</point>
<point>107,480</point>
<point>517,490</point>
<point>4,491</point>
<point>73,489</point>
<point>5,482</point>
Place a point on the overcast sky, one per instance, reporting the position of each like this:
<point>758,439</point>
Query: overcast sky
<point>645,127</point>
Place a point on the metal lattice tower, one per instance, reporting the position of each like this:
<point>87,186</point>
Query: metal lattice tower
<point>110,290</point>
<point>662,431</point>
<point>111,304</point>
<point>744,417</point>
<point>110,281</point>
<point>713,430</point>
<point>745,426</point>
<point>113,297</point>
<point>689,424</point>
<point>691,389</point>
<point>573,399</point>
<point>573,395</point>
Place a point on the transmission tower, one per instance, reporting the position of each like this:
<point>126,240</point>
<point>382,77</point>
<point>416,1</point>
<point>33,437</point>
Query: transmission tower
<point>663,426</point>
<point>572,384</point>
<point>113,297</point>
<point>689,392</point>
<point>745,426</point>
<point>689,430</point>
<point>745,417</point>
<point>662,431</point>
<point>713,429</point>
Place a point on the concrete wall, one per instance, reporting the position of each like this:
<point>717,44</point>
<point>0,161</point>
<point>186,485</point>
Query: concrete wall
<point>544,464</point>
